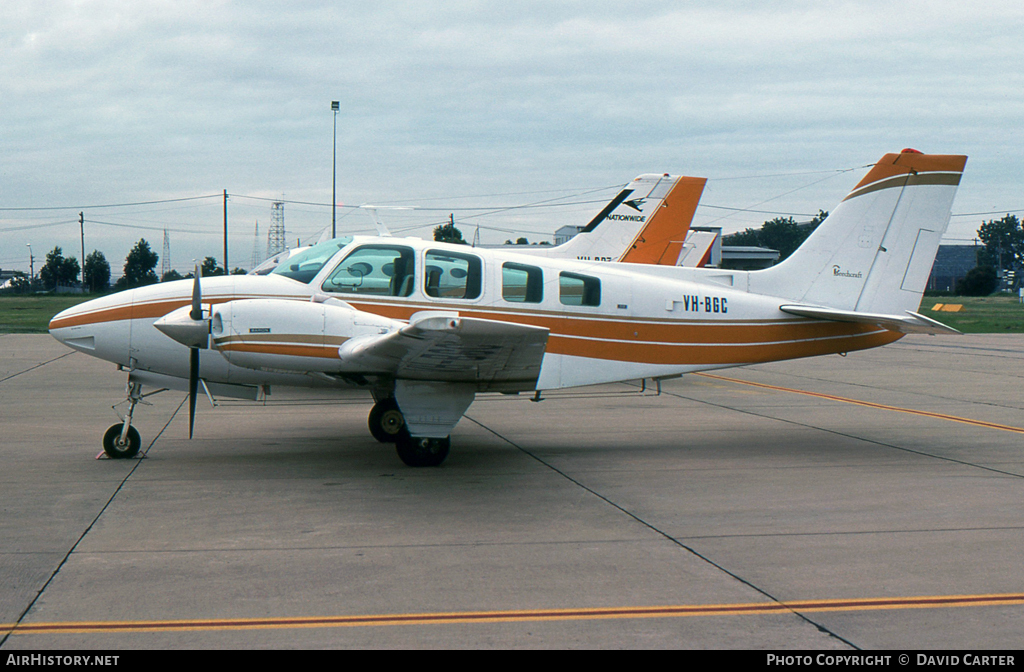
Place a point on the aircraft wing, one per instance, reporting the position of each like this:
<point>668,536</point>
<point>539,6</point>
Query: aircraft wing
<point>912,323</point>
<point>443,347</point>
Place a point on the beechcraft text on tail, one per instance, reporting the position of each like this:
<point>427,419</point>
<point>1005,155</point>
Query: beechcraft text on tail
<point>421,327</point>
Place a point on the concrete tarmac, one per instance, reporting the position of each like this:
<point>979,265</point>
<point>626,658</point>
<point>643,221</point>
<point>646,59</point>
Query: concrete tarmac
<point>874,501</point>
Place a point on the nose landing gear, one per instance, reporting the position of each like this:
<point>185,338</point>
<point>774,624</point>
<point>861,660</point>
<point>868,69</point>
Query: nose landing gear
<point>122,441</point>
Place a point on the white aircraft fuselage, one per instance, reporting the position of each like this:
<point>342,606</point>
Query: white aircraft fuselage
<point>423,326</point>
<point>648,322</point>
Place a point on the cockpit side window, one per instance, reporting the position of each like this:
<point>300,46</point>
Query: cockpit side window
<point>304,265</point>
<point>452,275</point>
<point>382,270</point>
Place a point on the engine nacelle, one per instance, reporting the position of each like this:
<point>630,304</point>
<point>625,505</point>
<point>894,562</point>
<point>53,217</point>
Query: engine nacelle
<point>294,336</point>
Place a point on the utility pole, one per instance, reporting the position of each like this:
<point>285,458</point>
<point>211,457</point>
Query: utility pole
<point>81,228</point>
<point>226,272</point>
<point>335,106</point>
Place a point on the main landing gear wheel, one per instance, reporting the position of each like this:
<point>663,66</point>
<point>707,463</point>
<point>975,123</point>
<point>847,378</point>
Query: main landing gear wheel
<point>420,452</point>
<point>386,421</point>
<point>115,448</point>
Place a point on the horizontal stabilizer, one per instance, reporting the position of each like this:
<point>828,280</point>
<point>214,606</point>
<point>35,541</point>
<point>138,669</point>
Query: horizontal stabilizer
<point>914,323</point>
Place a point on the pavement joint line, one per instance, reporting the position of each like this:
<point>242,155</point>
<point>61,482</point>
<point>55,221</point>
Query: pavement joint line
<point>490,544</point>
<point>33,368</point>
<point>797,607</point>
<point>662,533</point>
<point>870,404</point>
<point>99,514</point>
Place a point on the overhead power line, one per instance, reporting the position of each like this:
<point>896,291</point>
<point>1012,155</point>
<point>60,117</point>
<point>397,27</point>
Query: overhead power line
<point>760,212</point>
<point>994,212</point>
<point>214,231</point>
<point>39,226</point>
<point>109,205</point>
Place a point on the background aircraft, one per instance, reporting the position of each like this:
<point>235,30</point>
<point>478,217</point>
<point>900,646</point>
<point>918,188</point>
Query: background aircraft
<point>647,222</point>
<point>423,326</point>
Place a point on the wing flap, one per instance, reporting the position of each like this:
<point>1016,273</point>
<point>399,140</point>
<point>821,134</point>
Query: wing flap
<point>496,356</point>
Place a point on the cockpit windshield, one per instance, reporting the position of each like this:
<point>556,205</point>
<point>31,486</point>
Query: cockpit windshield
<point>306,264</point>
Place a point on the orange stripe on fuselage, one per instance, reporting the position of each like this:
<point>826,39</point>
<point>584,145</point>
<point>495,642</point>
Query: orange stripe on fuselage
<point>713,354</point>
<point>320,352</point>
<point>698,343</point>
<point>148,310</point>
<point>647,341</point>
<point>690,332</point>
<point>113,314</point>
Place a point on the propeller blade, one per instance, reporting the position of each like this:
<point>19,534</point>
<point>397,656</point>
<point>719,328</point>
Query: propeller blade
<point>193,387</point>
<point>197,296</point>
<point>193,361</point>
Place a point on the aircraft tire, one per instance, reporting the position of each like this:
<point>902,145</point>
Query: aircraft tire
<point>386,422</point>
<point>114,449</point>
<point>420,452</point>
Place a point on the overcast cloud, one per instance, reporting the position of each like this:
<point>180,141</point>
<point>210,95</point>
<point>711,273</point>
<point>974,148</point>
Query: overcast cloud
<point>114,102</point>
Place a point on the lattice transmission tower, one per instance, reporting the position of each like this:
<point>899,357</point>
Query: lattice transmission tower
<point>256,248</point>
<point>276,237</point>
<point>165,258</point>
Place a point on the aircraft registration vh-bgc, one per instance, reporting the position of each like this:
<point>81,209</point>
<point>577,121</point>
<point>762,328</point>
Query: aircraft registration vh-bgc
<point>423,326</point>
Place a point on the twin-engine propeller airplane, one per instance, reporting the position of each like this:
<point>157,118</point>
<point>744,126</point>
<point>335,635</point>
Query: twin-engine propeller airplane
<point>424,326</point>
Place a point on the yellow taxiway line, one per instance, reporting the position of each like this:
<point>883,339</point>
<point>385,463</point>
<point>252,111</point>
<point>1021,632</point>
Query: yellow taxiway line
<point>870,404</point>
<point>462,617</point>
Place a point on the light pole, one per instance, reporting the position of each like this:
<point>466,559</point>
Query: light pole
<point>31,263</point>
<point>335,106</point>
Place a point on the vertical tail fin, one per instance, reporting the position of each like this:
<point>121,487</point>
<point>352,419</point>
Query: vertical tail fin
<point>645,223</point>
<point>874,253</point>
<point>661,239</point>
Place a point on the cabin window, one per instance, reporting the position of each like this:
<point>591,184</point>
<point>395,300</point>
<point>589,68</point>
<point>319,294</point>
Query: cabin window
<point>579,290</point>
<point>382,270</point>
<point>521,283</point>
<point>452,275</point>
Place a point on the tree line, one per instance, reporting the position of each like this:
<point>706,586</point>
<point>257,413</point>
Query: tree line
<point>1002,255</point>
<point>139,269</point>
<point>782,234</point>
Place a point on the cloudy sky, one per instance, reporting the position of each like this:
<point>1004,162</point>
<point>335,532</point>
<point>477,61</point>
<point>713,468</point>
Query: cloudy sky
<point>472,107</point>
